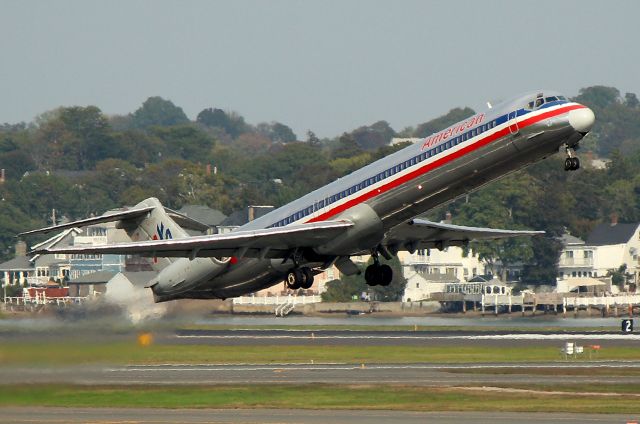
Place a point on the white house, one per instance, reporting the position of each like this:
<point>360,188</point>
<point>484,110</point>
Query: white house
<point>608,247</point>
<point>428,271</point>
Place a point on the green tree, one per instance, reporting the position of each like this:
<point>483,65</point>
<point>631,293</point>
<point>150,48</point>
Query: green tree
<point>442,122</point>
<point>347,147</point>
<point>373,136</point>
<point>185,142</point>
<point>282,133</point>
<point>232,123</point>
<point>156,111</point>
<point>345,289</point>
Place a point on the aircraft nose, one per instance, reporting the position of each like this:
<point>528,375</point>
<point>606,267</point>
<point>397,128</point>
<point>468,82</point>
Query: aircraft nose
<point>582,119</point>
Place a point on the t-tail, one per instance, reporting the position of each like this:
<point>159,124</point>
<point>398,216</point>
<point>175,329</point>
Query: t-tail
<point>148,220</point>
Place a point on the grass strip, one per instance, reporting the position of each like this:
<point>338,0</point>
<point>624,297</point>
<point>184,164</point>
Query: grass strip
<point>312,397</point>
<point>52,353</point>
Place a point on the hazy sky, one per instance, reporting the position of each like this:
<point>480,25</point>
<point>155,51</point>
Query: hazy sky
<point>328,66</point>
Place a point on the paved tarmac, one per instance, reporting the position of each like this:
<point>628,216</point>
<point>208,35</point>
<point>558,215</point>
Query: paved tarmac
<point>387,338</point>
<point>421,374</point>
<point>288,416</point>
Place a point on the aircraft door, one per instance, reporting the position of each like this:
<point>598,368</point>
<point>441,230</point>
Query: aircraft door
<point>513,126</point>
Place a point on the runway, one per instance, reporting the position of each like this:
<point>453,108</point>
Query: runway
<point>287,416</point>
<point>421,374</point>
<point>372,338</point>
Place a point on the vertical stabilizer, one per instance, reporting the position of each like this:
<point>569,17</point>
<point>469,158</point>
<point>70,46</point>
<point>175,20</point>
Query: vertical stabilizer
<point>154,225</point>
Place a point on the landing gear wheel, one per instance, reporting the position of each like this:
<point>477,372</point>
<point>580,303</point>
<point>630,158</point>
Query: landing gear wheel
<point>568,164</point>
<point>295,279</point>
<point>387,275</point>
<point>575,163</point>
<point>308,278</point>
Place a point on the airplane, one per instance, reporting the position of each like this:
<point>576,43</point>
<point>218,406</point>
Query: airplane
<point>372,211</point>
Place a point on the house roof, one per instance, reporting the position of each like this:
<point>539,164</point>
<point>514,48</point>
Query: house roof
<point>204,214</point>
<point>19,263</point>
<point>241,217</point>
<point>98,277</point>
<point>237,218</point>
<point>607,234</point>
<point>487,278</point>
<point>568,239</point>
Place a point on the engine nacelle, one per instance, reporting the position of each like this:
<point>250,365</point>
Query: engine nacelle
<point>185,274</point>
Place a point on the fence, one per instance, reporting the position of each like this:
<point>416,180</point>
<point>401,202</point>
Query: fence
<point>276,300</point>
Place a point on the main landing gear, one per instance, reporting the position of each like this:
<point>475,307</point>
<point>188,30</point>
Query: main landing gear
<point>571,163</point>
<point>300,278</point>
<point>378,274</point>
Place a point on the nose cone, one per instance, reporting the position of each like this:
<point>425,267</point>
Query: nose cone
<point>582,119</point>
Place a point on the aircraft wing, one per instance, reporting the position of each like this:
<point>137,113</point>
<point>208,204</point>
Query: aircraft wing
<point>275,242</point>
<point>423,234</point>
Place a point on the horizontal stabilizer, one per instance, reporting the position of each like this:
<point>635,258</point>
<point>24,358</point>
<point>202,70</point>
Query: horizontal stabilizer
<point>108,217</point>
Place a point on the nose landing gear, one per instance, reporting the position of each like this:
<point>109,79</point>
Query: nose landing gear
<point>571,163</point>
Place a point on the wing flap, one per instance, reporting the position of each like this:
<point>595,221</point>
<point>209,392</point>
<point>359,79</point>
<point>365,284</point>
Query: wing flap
<point>269,242</point>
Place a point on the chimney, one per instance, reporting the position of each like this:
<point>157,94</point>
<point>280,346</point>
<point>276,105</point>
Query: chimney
<point>614,219</point>
<point>447,218</point>
<point>21,249</point>
<point>208,169</point>
<point>252,213</point>
<point>2,176</point>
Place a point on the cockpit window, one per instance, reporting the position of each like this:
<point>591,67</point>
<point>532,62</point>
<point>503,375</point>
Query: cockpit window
<point>551,99</point>
<point>530,106</point>
<point>539,102</point>
<point>562,98</point>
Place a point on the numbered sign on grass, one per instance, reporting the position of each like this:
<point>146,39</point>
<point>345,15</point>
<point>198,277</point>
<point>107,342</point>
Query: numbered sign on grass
<point>627,326</point>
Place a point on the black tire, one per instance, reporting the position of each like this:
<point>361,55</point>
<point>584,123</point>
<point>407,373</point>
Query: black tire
<point>568,164</point>
<point>386,274</point>
<point>294,279</point>
<point>575,164</point>
<point>308,278</point>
